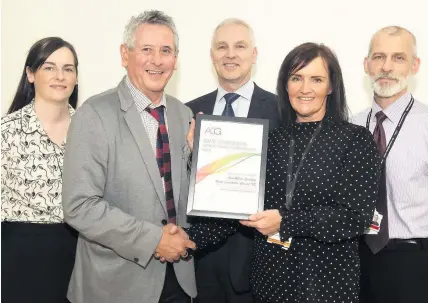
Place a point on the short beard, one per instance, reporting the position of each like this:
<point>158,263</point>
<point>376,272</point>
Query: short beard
<point>389,90</point>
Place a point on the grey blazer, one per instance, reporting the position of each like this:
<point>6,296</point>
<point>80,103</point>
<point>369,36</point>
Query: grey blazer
<point>113,195</point>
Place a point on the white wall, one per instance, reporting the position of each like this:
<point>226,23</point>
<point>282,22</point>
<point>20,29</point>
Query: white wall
<point>95,28</point>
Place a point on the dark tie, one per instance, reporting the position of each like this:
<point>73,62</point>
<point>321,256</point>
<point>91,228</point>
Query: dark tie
<point>379,241</point>
<point>379,133</point>
<point>163,159</point>
<point>228,110</point>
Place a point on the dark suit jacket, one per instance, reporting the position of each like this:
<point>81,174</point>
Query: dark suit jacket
<point>264,105</point>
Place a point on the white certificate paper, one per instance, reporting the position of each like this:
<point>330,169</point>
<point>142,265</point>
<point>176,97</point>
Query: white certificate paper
<point>226,179</point>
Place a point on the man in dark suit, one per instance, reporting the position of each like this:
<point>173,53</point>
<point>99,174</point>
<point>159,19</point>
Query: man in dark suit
<point>222,273</point>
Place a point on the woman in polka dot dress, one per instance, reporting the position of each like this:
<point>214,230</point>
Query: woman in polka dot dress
<point>334,196</point>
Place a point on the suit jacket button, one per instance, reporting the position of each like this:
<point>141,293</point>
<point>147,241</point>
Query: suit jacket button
<point>164,222</point>
<point>136,260</point>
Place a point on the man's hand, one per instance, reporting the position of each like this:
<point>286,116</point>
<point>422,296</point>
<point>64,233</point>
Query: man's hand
<point>191,133</point>
<point>173,244</point>
<point>266,222</point>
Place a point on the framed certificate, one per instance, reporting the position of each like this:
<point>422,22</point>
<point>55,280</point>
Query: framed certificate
<point>228,171</point>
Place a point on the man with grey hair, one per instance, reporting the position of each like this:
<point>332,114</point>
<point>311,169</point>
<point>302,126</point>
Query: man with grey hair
<point>394,250</point>
<point>222,273</point>
<point>125,179</point>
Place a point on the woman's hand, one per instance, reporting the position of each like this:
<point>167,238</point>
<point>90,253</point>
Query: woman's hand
<point>266,222</point>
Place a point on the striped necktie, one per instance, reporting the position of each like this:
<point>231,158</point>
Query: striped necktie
<point>163,159</point>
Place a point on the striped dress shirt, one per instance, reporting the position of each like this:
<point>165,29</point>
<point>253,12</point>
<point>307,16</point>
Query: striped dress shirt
<point>406,167</point>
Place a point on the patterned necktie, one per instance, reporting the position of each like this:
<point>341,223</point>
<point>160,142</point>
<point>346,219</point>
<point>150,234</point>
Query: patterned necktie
<point>228,110</point>
<point>379,241</point>
<point>163,159</point>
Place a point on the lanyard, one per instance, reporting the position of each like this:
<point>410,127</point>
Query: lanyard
<point>291,181</point>
<point>397,129</point>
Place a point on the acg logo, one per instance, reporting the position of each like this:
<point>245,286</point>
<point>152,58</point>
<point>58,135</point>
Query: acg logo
<point>213,131</point>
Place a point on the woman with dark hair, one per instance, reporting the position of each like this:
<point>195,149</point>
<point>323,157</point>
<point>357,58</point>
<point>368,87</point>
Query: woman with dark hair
<point>321,188</point>
<point>37,247</point>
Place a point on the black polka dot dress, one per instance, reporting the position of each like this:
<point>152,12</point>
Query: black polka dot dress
<point>333,202</point>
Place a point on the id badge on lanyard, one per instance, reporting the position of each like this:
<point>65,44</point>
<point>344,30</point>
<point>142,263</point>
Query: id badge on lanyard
<point>291,182</point>
<point>374,227</point>
<point>275,239</point>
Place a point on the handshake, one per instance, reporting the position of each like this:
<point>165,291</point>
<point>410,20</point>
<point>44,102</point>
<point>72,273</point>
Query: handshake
<point>173,244</point>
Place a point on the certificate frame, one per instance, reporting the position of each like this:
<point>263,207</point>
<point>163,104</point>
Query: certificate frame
<point>207,211</point>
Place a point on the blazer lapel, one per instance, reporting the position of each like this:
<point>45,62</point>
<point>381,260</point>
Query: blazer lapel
<point>256,105</point>
<point>207,106</point>
<point>175,146</point>
<point>136,127</point>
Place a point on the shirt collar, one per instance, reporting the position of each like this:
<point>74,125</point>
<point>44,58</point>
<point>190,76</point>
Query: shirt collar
<point>140,99</point>
<point>30,121</point>
<point>393,111</point>
<point>245,91</point>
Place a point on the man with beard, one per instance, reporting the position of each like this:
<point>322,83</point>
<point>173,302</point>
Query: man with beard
<point>394,251</point>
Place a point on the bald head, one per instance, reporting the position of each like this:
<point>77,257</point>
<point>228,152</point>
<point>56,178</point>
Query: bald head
<point>234,21</point>
<point>398,32</point>
<point>392,59</point>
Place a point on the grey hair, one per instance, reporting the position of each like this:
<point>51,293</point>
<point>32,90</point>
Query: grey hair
<point>148,17</point>
<point>395,31</point>
<point>238,22</point>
